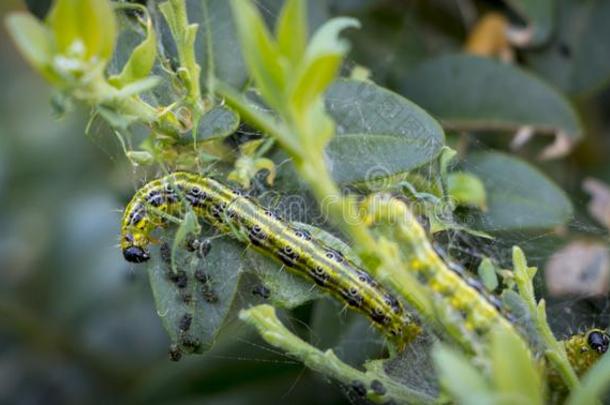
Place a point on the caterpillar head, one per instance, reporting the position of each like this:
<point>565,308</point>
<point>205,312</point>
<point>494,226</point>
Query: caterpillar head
<point>133,248</point>
<point>598,340</point>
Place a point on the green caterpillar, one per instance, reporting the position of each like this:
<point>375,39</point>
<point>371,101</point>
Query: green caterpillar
<point>227,210</point>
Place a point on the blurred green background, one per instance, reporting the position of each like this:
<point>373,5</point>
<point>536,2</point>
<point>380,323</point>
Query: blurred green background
<point>78,325</point>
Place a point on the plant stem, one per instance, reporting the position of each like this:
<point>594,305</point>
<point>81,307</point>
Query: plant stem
<point>184,35</point>
<point>264,319</point>
<point>555,352</point>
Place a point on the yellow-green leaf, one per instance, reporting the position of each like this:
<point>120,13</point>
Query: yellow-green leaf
<point>514,373</point>
<point>291,31</point>
<point>32,39</point>
<point>141,60</point>
<point>314,80</point>
<point>260,52</point>
<point>467,189</point>
<point>87,23</point>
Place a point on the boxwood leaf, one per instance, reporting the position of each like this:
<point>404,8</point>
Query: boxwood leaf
<point>471,92</point>
<point>577,60</point>
<point>519,197</point>
<point>378,133</point>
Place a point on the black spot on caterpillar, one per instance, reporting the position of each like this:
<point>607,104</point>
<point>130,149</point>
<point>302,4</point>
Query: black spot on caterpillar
<point>302,254</point>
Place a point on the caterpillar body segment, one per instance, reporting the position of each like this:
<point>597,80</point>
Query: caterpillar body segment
<point>228,210</point>
<point>451,292</point>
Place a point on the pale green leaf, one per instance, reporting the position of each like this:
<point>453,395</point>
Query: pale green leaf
<point>314,80</point>
<point>487,274</point>
<point>326,39</point>
<point>260,52</point>
<point>32,39</point>
<point>63,21</point>
<point>87,23</point>
<point>291,31</point>
<point>459,377</point>
<point>514,373</point>
<point>141,61</point>
<point>467,189</point>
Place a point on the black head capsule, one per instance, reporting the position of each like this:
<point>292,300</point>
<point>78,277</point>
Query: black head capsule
<point>598,341</point>
<point>135,254</point>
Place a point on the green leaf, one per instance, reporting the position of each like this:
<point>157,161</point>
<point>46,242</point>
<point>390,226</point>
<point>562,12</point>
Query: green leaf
<point>514,373</point>
<point>519,197</point>
<point>291,31</point>
<point>326,39</point>
<point>540,16</point>
<point>487,274</point>
<point>459,377</point>
<point>141,61</point>
<point>217,123</point>
<point>467,189</point>
<point>577,60</point>
<point>287,290</point>
<point>184,35</point>
<point>208,303</point>
<point>32,39</point>
<point>90,21</point>
<point>349,334</point>
<point>218,47</point>
<point>314,80</point>
<point>324,56</point>
<point>468,92</point>
<point>260,52</point>
<point>378,133</point>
